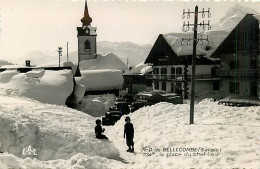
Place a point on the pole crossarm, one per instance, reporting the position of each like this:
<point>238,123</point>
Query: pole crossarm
<point>202,12</point>
<point>197,40</point>
<point>186,27</point>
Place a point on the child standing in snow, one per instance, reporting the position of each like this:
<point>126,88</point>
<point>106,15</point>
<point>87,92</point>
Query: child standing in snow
<point>129,134</point>
<point>99,130</point>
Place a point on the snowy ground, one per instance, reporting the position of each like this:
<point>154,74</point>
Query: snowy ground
<point>65,137</point>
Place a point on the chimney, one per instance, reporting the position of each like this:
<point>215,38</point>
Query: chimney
<point>28,63</point>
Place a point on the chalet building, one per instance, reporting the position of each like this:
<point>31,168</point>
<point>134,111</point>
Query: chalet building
<point>227,65</point>
<point>172,65</point>
<point>135,80</point>
<point>239,60</point>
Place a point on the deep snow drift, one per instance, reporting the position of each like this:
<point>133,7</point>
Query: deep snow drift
<point>46,86</point>
<point>58,132</point>
<point>234,130</point>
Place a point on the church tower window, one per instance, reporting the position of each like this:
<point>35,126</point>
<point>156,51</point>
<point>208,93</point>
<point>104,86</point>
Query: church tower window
<point>87,45</point>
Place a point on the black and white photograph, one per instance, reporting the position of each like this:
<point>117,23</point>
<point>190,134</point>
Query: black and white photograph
<point>129,84</point>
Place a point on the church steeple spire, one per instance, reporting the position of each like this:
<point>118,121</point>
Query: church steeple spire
<point>86,20</point>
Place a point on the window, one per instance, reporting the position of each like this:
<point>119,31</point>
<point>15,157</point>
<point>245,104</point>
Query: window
<point>156,85</point>
<point>234,87</point>
<point>216,86</point>
<point>164,86</point>
<point>87,45</point>
<point>253,88</point>
<point>234,65</point>
<point>172,87</point>
<point>172,73</point>
<point>178,70</point>
<point>164,73</point>
<point>156,71</point>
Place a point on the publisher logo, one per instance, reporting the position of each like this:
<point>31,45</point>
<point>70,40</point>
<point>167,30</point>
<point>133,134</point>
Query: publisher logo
<point>29,151</point>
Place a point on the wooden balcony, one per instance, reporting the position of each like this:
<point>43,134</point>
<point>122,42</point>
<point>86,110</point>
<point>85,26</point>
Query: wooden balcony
<point>238,72</point>
<point>179,78</point>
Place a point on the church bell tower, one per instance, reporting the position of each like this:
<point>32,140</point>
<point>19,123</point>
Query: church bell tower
<point>87,48</point>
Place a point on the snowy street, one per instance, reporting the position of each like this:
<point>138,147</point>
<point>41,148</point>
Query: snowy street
<point>64,138</point>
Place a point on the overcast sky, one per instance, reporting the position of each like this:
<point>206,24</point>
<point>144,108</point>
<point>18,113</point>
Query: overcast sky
<point>29,25</point>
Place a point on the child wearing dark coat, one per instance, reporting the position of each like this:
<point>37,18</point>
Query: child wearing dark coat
<point>129,134</point>
<point>99,130</point>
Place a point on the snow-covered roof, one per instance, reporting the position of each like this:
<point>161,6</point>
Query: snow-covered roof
<point>107,61</point>
<point>215,37</point>
<point>140,69</point>
<point>103,79</point>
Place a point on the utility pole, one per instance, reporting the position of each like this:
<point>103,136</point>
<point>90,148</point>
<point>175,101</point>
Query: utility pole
<point>195,39</point>
<point>60,53</point>
<point>67,51</point>
<point>127,62</point>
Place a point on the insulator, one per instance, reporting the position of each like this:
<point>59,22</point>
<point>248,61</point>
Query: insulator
<point>187,28</point>
<point>209,27</point>
<point>188,16</point>
<point>182,43</point>
<point>209,15</point>
<point>183,29</point>
<point>203,27</point>
<point>183,16</point>
<point>188,42</point>
<point>203,15</point>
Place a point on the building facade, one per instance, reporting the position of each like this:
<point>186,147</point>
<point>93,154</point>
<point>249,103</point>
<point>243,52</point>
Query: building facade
<point>239,60</point>
<point>172,68</point>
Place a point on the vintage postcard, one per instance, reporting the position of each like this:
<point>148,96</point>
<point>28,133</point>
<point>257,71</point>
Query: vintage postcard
<point>129,84</point>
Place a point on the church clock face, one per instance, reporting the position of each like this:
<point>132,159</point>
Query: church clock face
<point>87,31</point>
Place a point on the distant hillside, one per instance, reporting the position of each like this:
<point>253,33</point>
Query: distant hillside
<point>135,53</point>
<point>3,62</point>
<point>123,50</point>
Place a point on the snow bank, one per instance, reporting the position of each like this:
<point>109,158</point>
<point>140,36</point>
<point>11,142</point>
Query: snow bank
<point>96,105</point>
<point>104,79</point>
<point>234,130</point>
<point>55,132</point>
<point>46,86</point>
<point>77,161</point>
<point>6,76</point>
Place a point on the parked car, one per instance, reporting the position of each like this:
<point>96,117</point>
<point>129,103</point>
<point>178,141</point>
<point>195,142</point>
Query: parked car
<point>122,107</point>
<point>154,97</point>
<point>111,117</point>
<point>137,105</point>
